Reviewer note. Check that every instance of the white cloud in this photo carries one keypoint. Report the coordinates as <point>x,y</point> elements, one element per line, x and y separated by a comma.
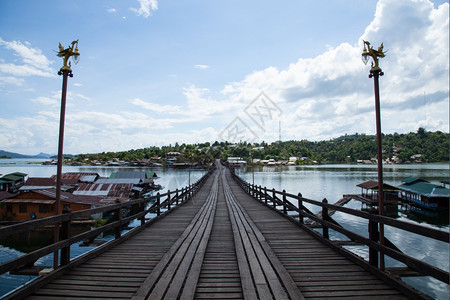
<point>167,109</point>
<point>147,6</point>
<point>111,10</point>
<point>11,80</point>
<point>320,97</point>
<point>201,66</point>
<point>330,94</point>
<point>34,62</point>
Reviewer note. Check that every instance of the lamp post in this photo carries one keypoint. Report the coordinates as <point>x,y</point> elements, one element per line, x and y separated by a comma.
<point>66,72</point>
<point>376,72</point>
<point>253,170</point>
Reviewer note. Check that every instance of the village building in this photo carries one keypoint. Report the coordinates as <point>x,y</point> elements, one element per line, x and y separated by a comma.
<point>370,191</point>
<point>108,189</point>
<point>424,194</point>
<point>172,155</point>
<point>12,182</point>
<point>42,203</point>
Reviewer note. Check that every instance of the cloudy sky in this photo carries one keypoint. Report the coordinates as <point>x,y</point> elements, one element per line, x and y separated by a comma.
<point>156,72</point>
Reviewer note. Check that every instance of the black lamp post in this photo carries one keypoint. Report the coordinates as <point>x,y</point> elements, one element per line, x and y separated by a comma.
<point>66,72</point>
<point>253,170</point>
<point>375,73</point>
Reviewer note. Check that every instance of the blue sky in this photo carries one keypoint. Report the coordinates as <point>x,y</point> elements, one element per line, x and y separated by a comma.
<point>156,72</point>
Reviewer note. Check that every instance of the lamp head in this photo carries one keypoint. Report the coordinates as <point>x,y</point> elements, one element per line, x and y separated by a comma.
<point>76,55</point>
<point>365,56</point>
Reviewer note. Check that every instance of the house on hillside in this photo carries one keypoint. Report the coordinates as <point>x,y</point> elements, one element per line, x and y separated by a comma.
<point>172,155</point>
<point>42,203</point>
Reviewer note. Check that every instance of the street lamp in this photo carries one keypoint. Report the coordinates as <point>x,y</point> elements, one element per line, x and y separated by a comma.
<point>253,171</point>
<point>66,72</point>
<point>376,72</point>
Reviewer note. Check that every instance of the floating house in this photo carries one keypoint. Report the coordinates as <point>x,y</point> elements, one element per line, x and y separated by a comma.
<point>236,161</point>
<point>12,182</point>
<point>42,203</point>
<point>112,189</point>
<point>369,193</point>
<point>424,194</point>
<point>143,176</point>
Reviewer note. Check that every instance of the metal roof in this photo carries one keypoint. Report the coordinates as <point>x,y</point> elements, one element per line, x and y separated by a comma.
<point>133,174</point>
<point>373,185</point>
<point>35,201</point>
<point>88,178</point>
<point>410,180</point>
<point>426,189</point>
<point>118,190</point>
<point>14,176</point>
<point>118,180</point>
<point>34,183</point>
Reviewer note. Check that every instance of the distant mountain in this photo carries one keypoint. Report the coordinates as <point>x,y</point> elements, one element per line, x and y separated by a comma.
<point>17,155</point>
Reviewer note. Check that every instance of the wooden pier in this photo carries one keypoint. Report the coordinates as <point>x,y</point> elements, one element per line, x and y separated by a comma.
<point>220,244</point>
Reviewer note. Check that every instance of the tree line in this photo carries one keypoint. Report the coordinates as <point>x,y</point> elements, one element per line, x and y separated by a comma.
<point>420,146</point>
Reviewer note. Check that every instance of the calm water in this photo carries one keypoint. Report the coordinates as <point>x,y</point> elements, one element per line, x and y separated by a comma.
<point>314,182</point>
<point>332,181</point>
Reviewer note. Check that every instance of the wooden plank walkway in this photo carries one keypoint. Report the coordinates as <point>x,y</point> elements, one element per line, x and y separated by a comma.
<point>221,244</point>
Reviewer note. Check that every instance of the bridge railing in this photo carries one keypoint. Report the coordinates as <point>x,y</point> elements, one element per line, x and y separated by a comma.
<point>293,207</point>
<point>120,215</point>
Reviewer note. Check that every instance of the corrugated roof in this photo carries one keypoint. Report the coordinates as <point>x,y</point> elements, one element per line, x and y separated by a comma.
<point>88,178</point>
<point>14,177</point>
<point>118,180</point>
<point>410,180</point>
<point>35,201</point>
<point>373,185</point>
<point>118,190</point>
<point>66,197</point>
<point>129,174</point>
<point>5,195</point>
<point>426,189</point>
<point>133,174</point>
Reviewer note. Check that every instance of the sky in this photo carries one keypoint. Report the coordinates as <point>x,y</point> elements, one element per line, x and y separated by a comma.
<point>158,72</point>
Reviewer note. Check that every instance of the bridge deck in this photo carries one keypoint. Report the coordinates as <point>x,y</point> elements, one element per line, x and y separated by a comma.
<point>221,244</point>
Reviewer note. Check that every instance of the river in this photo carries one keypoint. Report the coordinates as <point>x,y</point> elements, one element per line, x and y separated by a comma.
<point>314,182</point>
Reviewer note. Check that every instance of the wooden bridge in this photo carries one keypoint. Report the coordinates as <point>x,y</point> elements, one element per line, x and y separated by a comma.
<point>213,240</point>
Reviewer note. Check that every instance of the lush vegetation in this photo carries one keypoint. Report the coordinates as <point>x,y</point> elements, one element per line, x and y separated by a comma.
<point>420,146</point>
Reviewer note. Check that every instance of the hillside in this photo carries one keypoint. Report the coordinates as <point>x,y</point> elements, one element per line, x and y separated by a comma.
<point>413,147</point>
<point>6,154</point>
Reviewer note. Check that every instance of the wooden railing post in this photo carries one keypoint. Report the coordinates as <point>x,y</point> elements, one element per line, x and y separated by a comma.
<point>265,195</point>
<point>373,236</point>
<point>284,202</point>
<point>118,217</point>
<point>65,234</point>
<point>176,196</point>
<point>183,195</point>
<point>273,199</point>
<point>300,205</point>
<point>141,209</point>
<point>158,204</point>
<point>168,200</point>
<point>326,218</point>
